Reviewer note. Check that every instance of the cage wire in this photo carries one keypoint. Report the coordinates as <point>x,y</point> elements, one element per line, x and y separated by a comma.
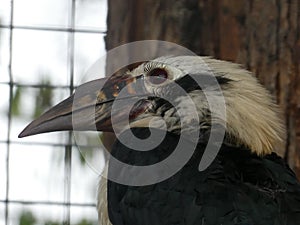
<point>66,204</point>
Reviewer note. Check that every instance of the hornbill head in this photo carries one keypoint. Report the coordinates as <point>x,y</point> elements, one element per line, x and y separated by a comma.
<point>141,98</point>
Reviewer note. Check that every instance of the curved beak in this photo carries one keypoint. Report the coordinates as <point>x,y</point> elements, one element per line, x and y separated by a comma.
<point>92,107</point>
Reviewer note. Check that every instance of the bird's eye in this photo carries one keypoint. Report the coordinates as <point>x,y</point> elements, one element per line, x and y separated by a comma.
<point>157,76</point>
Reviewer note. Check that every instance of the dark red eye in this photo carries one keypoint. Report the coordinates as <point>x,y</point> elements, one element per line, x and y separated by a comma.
<point>158,76</point>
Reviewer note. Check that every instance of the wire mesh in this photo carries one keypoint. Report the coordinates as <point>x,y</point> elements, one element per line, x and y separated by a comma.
<point>11,206</point>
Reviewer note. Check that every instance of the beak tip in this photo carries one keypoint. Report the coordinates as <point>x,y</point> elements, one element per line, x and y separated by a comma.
<point>27,131</point>
<point>23,134</point>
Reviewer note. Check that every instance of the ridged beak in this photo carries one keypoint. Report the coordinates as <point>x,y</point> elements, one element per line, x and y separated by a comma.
<point>93,107</point>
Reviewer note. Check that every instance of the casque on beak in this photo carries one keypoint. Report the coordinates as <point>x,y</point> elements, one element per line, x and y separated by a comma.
<point>92,107</point>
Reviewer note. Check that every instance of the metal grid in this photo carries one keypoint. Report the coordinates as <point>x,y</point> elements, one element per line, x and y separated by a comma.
<point>71,30</point>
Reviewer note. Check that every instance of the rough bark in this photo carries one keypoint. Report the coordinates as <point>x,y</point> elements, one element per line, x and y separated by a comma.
<point>264,36</point>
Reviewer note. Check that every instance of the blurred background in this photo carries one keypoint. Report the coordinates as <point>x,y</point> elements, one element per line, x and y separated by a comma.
<point>46,47</point>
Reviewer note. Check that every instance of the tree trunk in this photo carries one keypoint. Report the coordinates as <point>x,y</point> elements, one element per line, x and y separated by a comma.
<point>264,36</point>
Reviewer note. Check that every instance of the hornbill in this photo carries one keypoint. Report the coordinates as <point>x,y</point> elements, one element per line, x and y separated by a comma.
<point>245,182</point>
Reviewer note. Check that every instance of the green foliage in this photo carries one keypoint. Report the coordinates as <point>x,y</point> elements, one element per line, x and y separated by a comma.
<point>85,222</point>
<point>48,222</point>
<point>43,98</point>
<point>82,222</point>
<point>87,152</point>
<point>16,100</point>
<point>27,218</point>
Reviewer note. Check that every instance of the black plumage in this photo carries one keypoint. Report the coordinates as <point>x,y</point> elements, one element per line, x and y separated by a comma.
<point>239,187</point>
<point>246,184</point>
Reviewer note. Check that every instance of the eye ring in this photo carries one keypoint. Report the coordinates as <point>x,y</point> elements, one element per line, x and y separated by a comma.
<point>158,76</point>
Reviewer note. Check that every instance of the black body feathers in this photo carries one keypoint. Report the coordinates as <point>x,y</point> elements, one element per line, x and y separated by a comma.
<point>238,188</point>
